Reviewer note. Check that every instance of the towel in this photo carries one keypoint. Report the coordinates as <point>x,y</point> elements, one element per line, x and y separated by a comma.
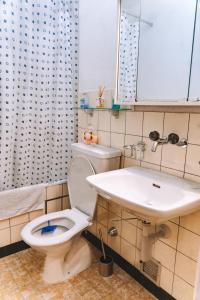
<point>21,200</point>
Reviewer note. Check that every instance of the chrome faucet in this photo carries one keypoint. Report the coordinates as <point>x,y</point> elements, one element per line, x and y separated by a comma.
<point>155,136</point>
<point>172,138</point>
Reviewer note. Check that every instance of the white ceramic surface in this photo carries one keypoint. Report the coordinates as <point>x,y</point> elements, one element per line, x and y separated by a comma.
<point>152,195</point>
<point>66,253</point>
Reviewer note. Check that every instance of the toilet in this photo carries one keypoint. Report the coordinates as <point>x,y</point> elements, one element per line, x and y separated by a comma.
<point>67,253</point>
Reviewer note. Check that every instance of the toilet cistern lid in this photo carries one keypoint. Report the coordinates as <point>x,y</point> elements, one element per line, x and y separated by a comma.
<point>97,151</point>
<point>82,195</point>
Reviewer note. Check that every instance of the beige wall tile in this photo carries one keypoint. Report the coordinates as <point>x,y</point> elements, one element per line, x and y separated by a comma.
<point>93,120</point>
<point>165,254</point>
<point>128,251</point>
<point>114,243</point>
<point>115,208</point>
<point>134,121</point>
<point>104,138</point>
<point>103,202</point>
<point>117,140</point>
<point>172,171</point>
<point>129,232</point>
<point>139,238</point>
<point>131,140</point>
<point>147,165</point>
<point>194,129</point>
<point>176,123</point>
<point>176,220</point>
<point>82,119</point>
<point>104,232</point>
<point>166,279</point>
<point>172,240</point>
<point>118,124</point>
<point>130,162</point>
<point>193,160</point>
<point>19,219</point>
<point>54,205</point>
<point>80,134</point>
<point>127,214</point>
<point>188,243</point>
<point>5,237</point>
<point>4,224</point>
<point>149,156</point>
<point>65,189</point>
<point>191,222</point>
<point>137,258</point>
<point>102,216</point>
<point>114,221</point>
<point>16,233</point>
<point>173,157</point>
<point>182,290</point>
<point>185,268</point>
<point>153,121</point>
<point>65,203</point>
<point>54,191</point>
<point>192,177</point>
<point>104,121</point>
<point>36,214</point>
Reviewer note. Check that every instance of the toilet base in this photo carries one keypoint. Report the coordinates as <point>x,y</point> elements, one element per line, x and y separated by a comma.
<point>60,268</point>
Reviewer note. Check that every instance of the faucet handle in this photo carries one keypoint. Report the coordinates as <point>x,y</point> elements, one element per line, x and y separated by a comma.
<point>154,135</point>
<point>173,138</point>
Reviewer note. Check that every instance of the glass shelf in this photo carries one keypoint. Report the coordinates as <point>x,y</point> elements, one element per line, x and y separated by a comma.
<point>114,111</point>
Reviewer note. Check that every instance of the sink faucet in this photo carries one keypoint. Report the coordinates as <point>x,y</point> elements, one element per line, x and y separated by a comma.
<point>155,136</point>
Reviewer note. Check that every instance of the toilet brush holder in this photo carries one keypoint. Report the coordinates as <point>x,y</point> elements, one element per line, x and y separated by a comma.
<point>106,262</point>
<point>106,266</point>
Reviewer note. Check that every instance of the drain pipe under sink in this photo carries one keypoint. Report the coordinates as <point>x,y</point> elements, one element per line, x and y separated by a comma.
<point>149,238</point>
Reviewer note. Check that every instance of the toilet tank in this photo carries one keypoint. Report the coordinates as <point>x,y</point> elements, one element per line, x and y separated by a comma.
<point>102,158</point>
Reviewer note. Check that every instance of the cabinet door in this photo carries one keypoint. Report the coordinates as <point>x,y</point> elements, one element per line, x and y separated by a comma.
<point>165,50</point>
<point>194,91</point>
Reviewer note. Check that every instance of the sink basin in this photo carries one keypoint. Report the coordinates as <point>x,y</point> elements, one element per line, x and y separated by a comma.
<point>153,196</point>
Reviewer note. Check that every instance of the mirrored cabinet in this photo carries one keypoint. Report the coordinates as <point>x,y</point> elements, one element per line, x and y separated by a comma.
<point>194,91</point>
<point>159,52</point>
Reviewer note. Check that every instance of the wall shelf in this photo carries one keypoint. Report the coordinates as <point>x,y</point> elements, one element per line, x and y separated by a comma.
<point>114,111</point>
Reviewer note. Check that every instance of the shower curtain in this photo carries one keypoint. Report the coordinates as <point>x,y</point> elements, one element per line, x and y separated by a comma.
<point>38,90</point>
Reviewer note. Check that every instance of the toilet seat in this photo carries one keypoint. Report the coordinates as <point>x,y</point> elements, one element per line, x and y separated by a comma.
<point>80,222</point>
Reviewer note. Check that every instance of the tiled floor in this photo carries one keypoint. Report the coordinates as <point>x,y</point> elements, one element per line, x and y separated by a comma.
<point>20,279</point>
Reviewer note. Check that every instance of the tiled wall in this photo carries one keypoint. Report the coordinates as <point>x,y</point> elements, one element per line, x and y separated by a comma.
<point>10,229</point>
<point>178,254</point>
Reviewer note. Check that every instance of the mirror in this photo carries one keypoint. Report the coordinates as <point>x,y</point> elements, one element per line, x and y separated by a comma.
<point>128,50</point>
<point>194,91</point>
<point>155,50</point>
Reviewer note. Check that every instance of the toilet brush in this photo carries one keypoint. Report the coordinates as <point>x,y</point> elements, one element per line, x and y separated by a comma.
<point>106,262</point>
<point>102,244</point>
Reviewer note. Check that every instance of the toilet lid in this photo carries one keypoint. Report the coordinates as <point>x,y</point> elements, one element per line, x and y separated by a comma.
<point>82,195</point>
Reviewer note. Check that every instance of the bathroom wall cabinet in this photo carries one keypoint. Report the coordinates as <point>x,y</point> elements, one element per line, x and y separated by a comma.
<point>159,52</point>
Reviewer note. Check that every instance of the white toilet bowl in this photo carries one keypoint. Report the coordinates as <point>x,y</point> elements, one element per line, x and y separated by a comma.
<point>66,252</point>
<point>56,245</point>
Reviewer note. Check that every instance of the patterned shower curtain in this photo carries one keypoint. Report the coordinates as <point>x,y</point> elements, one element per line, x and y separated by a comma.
<point>38,89</point>
<point>129,38</point>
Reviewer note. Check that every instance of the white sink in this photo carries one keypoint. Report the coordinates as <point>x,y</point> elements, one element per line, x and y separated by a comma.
<point>152,195</point>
